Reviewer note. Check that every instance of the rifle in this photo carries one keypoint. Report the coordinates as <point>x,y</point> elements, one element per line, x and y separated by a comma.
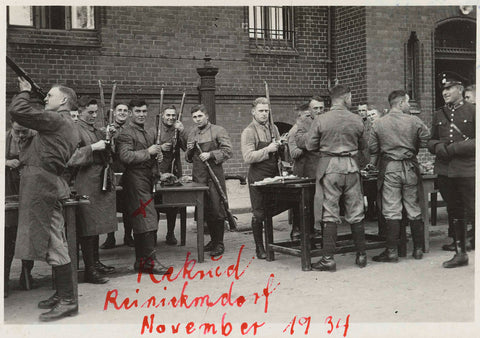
<point>223,197</point>
<point>272,128</point>
<point>102,104</point>
<point>20,72</point>
<point>159,128</point>
<point>175,145</point>
<point>107,179</point>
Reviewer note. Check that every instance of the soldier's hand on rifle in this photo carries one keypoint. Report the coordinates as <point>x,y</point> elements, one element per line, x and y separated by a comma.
<point>369,167</point>
<point>23,84</point>
<point>155,149</point>
<point>100,145</point>
<point>13,163</point>
<point>190,145</point>
<point>166,146</point>
<point>272,147</point>
<point>159,157</point>
<point>179,126</point>
<point>204,156</point>
<point>111,129</point>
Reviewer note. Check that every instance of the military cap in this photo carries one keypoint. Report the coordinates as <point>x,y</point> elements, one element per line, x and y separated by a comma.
<point>85,100</point>
<point>448,79</point>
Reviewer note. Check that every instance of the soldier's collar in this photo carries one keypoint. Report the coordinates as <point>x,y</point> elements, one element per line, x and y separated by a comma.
<point>455,106</point>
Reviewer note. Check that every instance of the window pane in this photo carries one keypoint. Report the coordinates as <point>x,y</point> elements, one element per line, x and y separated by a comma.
<point>20,15</point>
<point>83,17</point>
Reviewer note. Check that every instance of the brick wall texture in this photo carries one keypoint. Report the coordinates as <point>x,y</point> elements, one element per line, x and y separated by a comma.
<point>145,49</point>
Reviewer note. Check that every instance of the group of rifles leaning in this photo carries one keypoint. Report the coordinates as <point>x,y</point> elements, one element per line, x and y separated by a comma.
<point>324,145</point>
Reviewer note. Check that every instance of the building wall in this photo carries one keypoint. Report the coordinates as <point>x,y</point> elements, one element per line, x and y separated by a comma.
<point>145,49</point>
<point>350,50</point>
<point>387,32</point>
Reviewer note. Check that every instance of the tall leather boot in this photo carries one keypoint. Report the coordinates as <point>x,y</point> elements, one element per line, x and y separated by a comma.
<point>109,242</point>
<point>149,263</point>
<point>460,258</point>
<point>391,252</point>
<point>127,235</point>
<point>257,230</point>
<point>87,244</point>
<point>102,268</point>
<point>418,235</point>
<point>138,242</point>
<point>26,279</point>
<point>211,230</point>
<point>327,263</point>
<point>451,246</point>
<point>219,231</point>
<point>358,234</point>
<point>66,305</point>
<point>10,237</point>
<point>171,219</point>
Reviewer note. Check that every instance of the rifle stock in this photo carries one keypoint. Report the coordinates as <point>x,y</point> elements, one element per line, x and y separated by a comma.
<point>20,72</point>
<point>107,182</point>
<point>223,197</point>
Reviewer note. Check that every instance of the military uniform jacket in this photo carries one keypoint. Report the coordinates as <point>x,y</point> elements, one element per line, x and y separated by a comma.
<point>461,162</point>
<point>138,178</point>
<point>41,186</point>
<point>306,165</point>
<point>100,216</point>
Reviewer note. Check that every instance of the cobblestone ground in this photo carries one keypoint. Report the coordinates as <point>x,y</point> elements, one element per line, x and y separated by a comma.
<point>420,293</point>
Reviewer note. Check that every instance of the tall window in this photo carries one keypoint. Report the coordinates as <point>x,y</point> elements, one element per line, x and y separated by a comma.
<point>52,17</point>
<point>271,26</point>
<point>413,67</point>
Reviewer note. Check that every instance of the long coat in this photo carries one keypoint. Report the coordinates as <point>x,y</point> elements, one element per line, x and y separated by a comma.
<point>100,216</point>
<point>138,178</point>
<point>42,185</point>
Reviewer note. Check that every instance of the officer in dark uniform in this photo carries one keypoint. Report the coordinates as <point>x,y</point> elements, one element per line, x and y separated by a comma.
<point>453,143</point>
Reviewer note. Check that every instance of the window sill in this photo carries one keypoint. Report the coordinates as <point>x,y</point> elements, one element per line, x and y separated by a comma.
<point>53,37</point>
<point>259,48</point>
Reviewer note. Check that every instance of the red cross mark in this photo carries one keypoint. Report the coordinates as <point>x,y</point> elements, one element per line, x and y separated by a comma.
<point>141,209</point>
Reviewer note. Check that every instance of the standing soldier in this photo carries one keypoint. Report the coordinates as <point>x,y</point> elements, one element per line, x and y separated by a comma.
<point>120,114</point>
<point>306,164</point>
<point>41,230</point>
<point>170,125</point>
<point>17,138</point>
<point>453,143</point>
<point>100,216</point>
<point>397,138</point>
<point>260,152</point>
<point>216,149</point>
<point>338,135</point>
<point>138,152</point>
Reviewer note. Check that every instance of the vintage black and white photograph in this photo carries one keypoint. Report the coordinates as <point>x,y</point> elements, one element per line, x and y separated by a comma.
<point>239,169</point>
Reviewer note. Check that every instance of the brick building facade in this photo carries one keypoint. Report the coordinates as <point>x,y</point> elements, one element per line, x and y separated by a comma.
<point>145,49</point>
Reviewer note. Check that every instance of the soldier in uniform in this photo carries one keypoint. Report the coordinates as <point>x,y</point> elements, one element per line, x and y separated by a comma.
<point>99,217</point>
<point>17,138</point>
<point>138,152</point>
<point>470,94</point>
<point>261,153</point>
<point>397,138</point>
<point>41,230</point>
<point>120,115</point>
<point>338,135</point>
<point>216,149</point>
<point>171,128</point>
<point>453,143</point>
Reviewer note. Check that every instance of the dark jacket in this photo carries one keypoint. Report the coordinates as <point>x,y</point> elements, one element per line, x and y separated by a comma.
<point>461,159</point>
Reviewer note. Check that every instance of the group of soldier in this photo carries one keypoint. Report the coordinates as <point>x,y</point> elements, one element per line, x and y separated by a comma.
<point>325,145</point>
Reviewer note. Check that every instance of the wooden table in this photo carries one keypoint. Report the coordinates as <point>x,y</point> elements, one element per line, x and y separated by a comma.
<point>188,194</point>
<point>69,212</point>
<point>299,197</point>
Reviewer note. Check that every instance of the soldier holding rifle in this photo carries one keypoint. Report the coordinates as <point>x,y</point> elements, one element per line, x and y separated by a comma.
<point>172,131</point>
<point>259,150</point>
<point>100,216</point>
<point>216,148</point>
<point>138,152</point>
